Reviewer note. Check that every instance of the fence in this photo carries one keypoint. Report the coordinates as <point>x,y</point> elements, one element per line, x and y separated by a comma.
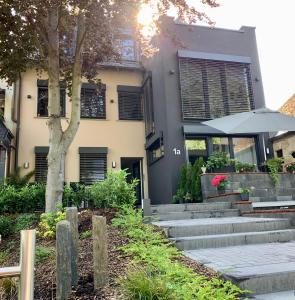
<point>25,271</point>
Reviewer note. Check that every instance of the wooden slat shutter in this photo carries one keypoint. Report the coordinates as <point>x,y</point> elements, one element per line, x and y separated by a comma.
<point>130,106</point>
<point>41,165</point>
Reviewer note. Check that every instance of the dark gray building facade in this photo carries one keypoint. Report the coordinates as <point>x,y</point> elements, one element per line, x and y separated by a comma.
<point>199,73</point>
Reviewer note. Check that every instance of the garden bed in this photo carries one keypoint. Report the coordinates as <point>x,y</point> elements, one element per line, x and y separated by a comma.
<point>117,263</point>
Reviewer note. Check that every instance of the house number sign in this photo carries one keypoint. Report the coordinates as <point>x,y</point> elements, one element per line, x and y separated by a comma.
<point>176,151</point>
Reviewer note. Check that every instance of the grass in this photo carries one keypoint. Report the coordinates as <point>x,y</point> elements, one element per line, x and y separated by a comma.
<point>43,253</point>
<point>3,256</point>
<point>155,272</point>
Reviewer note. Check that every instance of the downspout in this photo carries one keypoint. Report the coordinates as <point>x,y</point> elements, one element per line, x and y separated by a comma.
<point>17,122</point>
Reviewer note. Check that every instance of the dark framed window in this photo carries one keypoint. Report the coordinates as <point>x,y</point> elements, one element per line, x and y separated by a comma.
<point>42,106</point>
<point>41,165</point>
<point>147,89</point>
<point>212,89</point>
<point>93,104</point>
<point>130,103</point>
<point>2,102</point>
<point>156,151</point>
<point>93,164</point>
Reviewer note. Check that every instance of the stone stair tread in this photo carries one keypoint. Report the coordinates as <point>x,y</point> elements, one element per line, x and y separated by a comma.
<point>286,295</point>
<point>183,204</point>
<point>213,221</point>
<point>197,211</point>
<point>273,204</point>
<point>227,235</point>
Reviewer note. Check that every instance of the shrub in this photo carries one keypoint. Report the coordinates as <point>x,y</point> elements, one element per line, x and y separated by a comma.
<point>27,198</point>
<point>217,160</point>
<point>16,180</point>
<point>244,167</point>
<point>274,166</point>
<point>25,221</point>
<point>48,221</point>
<point>114,191</point>
<point>157,273</point>
<point>86,234</point>
<point>3,256</point>
<point>8,288</point>
<point>74,194</point>
<point>6,226</point>
<point>43,253</point>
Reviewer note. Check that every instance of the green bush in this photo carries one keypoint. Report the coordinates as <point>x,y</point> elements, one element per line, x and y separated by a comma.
<point>290,168</point>
<point>25,221</point>
<point>156,272</point>
<point>114,191</point>
<point>3,257</point>
<point>25,199</point>
<point>217,160</point>
<point>16,180</point>
<point>75,194</point>
<point>189,185</point>
<point>6,226</point>
<point>244,167</point>
<point>274,166</point>
<point>43,253</point>
<point>48,221</point>
<point>86,234</point>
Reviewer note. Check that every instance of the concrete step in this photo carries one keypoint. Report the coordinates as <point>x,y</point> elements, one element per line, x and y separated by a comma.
<point>220,213</point>
<point>273,204</point>
<point>261,268</point>
<point>287,295</point>
<point>166,208</point>
<point>179,228</point>
<point>233,239</point>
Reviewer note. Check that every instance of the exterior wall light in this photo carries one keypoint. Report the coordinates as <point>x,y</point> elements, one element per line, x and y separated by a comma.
<point>114,164</point>
<point>26,165</point>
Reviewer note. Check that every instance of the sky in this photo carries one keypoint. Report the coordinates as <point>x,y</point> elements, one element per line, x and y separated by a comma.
<point>275,34</point>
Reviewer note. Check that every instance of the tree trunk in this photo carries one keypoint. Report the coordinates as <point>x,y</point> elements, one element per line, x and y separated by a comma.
<point>60,141</point>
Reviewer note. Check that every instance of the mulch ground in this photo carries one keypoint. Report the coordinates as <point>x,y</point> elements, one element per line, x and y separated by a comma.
<point>117,263</point>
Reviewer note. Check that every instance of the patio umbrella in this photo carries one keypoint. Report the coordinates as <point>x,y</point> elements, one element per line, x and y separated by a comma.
<point>255,121</point>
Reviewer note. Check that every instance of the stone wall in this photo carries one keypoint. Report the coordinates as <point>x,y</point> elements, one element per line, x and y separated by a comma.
<point>287,144</point>
<point>260,183</point>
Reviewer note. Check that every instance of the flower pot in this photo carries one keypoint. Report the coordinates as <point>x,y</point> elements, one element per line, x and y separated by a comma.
<point>221,190</point>
<point>203,170</point>
<point>244,197</point>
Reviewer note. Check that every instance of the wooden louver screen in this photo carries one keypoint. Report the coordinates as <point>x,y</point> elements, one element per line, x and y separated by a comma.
<point>212,89</point>
<point>130,106</point>
<point>41,167</point>
<point>93,167</point>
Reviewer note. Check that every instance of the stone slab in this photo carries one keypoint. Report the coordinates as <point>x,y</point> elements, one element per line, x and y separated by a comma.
<point>287,295</point>
<point>273,204</point>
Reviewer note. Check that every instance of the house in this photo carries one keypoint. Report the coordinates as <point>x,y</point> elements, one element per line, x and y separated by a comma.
<point>284,142</point>
<point>111,132</point>
<point>200,73</point>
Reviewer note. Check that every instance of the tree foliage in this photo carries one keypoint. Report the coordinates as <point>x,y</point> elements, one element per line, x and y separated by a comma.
<point>68,40</point>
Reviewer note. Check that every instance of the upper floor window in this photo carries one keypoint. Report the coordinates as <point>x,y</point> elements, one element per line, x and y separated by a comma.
<point>2,102</point>
<point>42,106</point>
<point>212,89</point>
<point>130,103</point>
<point>93,104</point>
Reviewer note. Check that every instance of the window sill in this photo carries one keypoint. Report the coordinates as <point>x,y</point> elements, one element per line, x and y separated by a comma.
<point>46,118</point>
<point>122,120</point>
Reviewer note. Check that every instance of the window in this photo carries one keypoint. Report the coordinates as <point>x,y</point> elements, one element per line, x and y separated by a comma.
<point>196,148</point>
<point>93,164</point>
<point>156,151</point>
<point>127,49</point>
<point>2,102</point>
<point>93,101</point>
<point>212,89</point>
<point>280,153</point>
<point>130,103</point>
<point>148,106</point>
<point>41,165</point>
<point>42,106</point>
<point>245,150</point>
<point>220,144</point>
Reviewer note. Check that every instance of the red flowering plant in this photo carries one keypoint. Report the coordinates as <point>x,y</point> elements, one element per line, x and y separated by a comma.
<point>220,181</point>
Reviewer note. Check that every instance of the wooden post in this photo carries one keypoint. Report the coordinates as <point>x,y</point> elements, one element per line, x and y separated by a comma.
<point>63,260</point>
<point>72,217</point>
<point>100,254</point>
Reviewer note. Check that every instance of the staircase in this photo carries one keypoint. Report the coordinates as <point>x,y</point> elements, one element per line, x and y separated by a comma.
<point>257,254</point>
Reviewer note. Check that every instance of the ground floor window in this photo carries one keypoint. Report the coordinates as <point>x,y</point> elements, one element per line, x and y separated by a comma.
<point>156,151</point>
<point>93,164</point>
<point>243,149</point>
<point>41,165</point>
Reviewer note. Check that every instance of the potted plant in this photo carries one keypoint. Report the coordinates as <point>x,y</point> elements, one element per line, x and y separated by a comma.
<point>245,194</point>
<point>219,162</point>
<point>244,167</point>
<point>290,168</point>
<point>203,168</point>
<point>220,182</point>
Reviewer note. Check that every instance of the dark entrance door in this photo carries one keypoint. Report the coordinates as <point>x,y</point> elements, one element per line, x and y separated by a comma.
<point>134,168</point>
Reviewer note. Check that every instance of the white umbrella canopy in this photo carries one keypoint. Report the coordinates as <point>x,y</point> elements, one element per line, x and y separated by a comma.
<point>255,121</point>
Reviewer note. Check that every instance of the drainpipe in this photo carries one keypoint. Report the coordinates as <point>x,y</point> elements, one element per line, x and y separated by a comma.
<point>17,122</point>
